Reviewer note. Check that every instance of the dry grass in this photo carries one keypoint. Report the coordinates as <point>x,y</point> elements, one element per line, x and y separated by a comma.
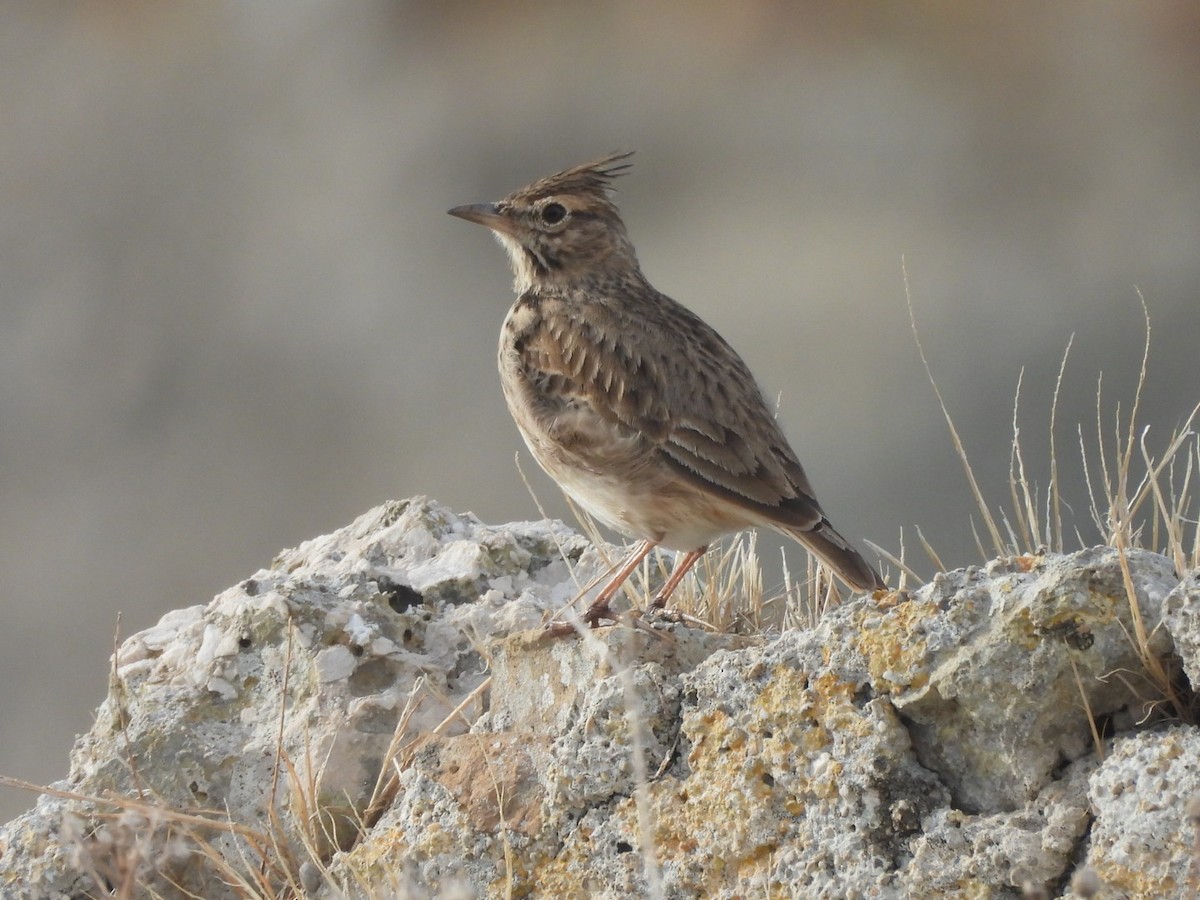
<point>126,845</point>
<point>137,847</point>
<point>1135,500</point>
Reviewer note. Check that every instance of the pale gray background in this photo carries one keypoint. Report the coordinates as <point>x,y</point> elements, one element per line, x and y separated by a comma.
<point>234,315</point>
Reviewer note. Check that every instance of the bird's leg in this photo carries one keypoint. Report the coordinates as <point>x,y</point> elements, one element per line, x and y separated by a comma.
<point>599,608</point>
<point>682,567</point>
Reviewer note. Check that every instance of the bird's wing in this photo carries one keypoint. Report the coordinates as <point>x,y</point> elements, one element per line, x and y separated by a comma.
<point>721,433</point>
<point>664,375</point>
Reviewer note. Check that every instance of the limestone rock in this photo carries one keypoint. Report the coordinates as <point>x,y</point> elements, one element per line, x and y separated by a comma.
<point>1146,838</point>
<point>379,711</point>
<point>1181,618</point>
<point>996,669</point>
<point>313,661</point>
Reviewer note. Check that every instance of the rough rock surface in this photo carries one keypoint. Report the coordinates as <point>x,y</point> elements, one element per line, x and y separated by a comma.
<point>994,732</point>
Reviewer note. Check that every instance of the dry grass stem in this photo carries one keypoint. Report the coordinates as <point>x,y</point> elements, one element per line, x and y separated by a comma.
<point>993,531</point>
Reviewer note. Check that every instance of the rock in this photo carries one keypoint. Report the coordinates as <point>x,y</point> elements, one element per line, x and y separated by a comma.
<point>996,670</point>
<point>985,736</point>
<point>1145,841</point>
<point>1181,618</point>
<point>330,643</point>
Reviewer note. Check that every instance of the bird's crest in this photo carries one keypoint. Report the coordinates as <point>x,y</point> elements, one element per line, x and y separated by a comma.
<point>591,179</point>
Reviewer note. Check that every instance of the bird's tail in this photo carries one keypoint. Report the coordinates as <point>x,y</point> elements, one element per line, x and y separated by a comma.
<point>825,543</point>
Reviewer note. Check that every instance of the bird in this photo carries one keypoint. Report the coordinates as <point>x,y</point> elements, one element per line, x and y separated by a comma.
<point>641,412</point>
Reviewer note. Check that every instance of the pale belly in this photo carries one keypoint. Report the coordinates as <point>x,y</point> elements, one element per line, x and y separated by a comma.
<point>647,502</point>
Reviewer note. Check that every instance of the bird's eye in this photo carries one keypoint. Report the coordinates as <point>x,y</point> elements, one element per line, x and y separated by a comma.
<point>553,213</point>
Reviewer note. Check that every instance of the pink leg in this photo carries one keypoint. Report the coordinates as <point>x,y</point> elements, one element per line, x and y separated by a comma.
<point>599,608</point>
<point>681,568</point>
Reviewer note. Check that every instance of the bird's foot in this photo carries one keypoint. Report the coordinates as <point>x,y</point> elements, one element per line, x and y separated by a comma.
<point>659,612</point>
<point>665,614</point>
<point>557,629</point>
<point>593,617</point>
<point>598,612</point>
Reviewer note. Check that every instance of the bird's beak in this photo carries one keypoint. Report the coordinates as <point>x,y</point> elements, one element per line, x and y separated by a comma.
<point>484,214</point>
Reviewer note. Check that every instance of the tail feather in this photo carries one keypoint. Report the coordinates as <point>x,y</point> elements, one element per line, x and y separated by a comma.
<point>824,542</point>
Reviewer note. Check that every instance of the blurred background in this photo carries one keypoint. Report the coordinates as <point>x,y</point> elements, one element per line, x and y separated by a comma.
<point>234,314</point>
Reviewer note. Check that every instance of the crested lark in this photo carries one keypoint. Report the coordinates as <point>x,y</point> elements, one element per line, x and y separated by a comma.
<point>639,410</point>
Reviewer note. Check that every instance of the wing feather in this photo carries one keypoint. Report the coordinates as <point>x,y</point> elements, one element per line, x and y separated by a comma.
<point>699,411</point>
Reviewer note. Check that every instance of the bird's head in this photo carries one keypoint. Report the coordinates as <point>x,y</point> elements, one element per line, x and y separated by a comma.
<point>563,230</point>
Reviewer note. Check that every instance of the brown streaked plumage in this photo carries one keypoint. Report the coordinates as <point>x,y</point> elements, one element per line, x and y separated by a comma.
<point>639,410</point>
